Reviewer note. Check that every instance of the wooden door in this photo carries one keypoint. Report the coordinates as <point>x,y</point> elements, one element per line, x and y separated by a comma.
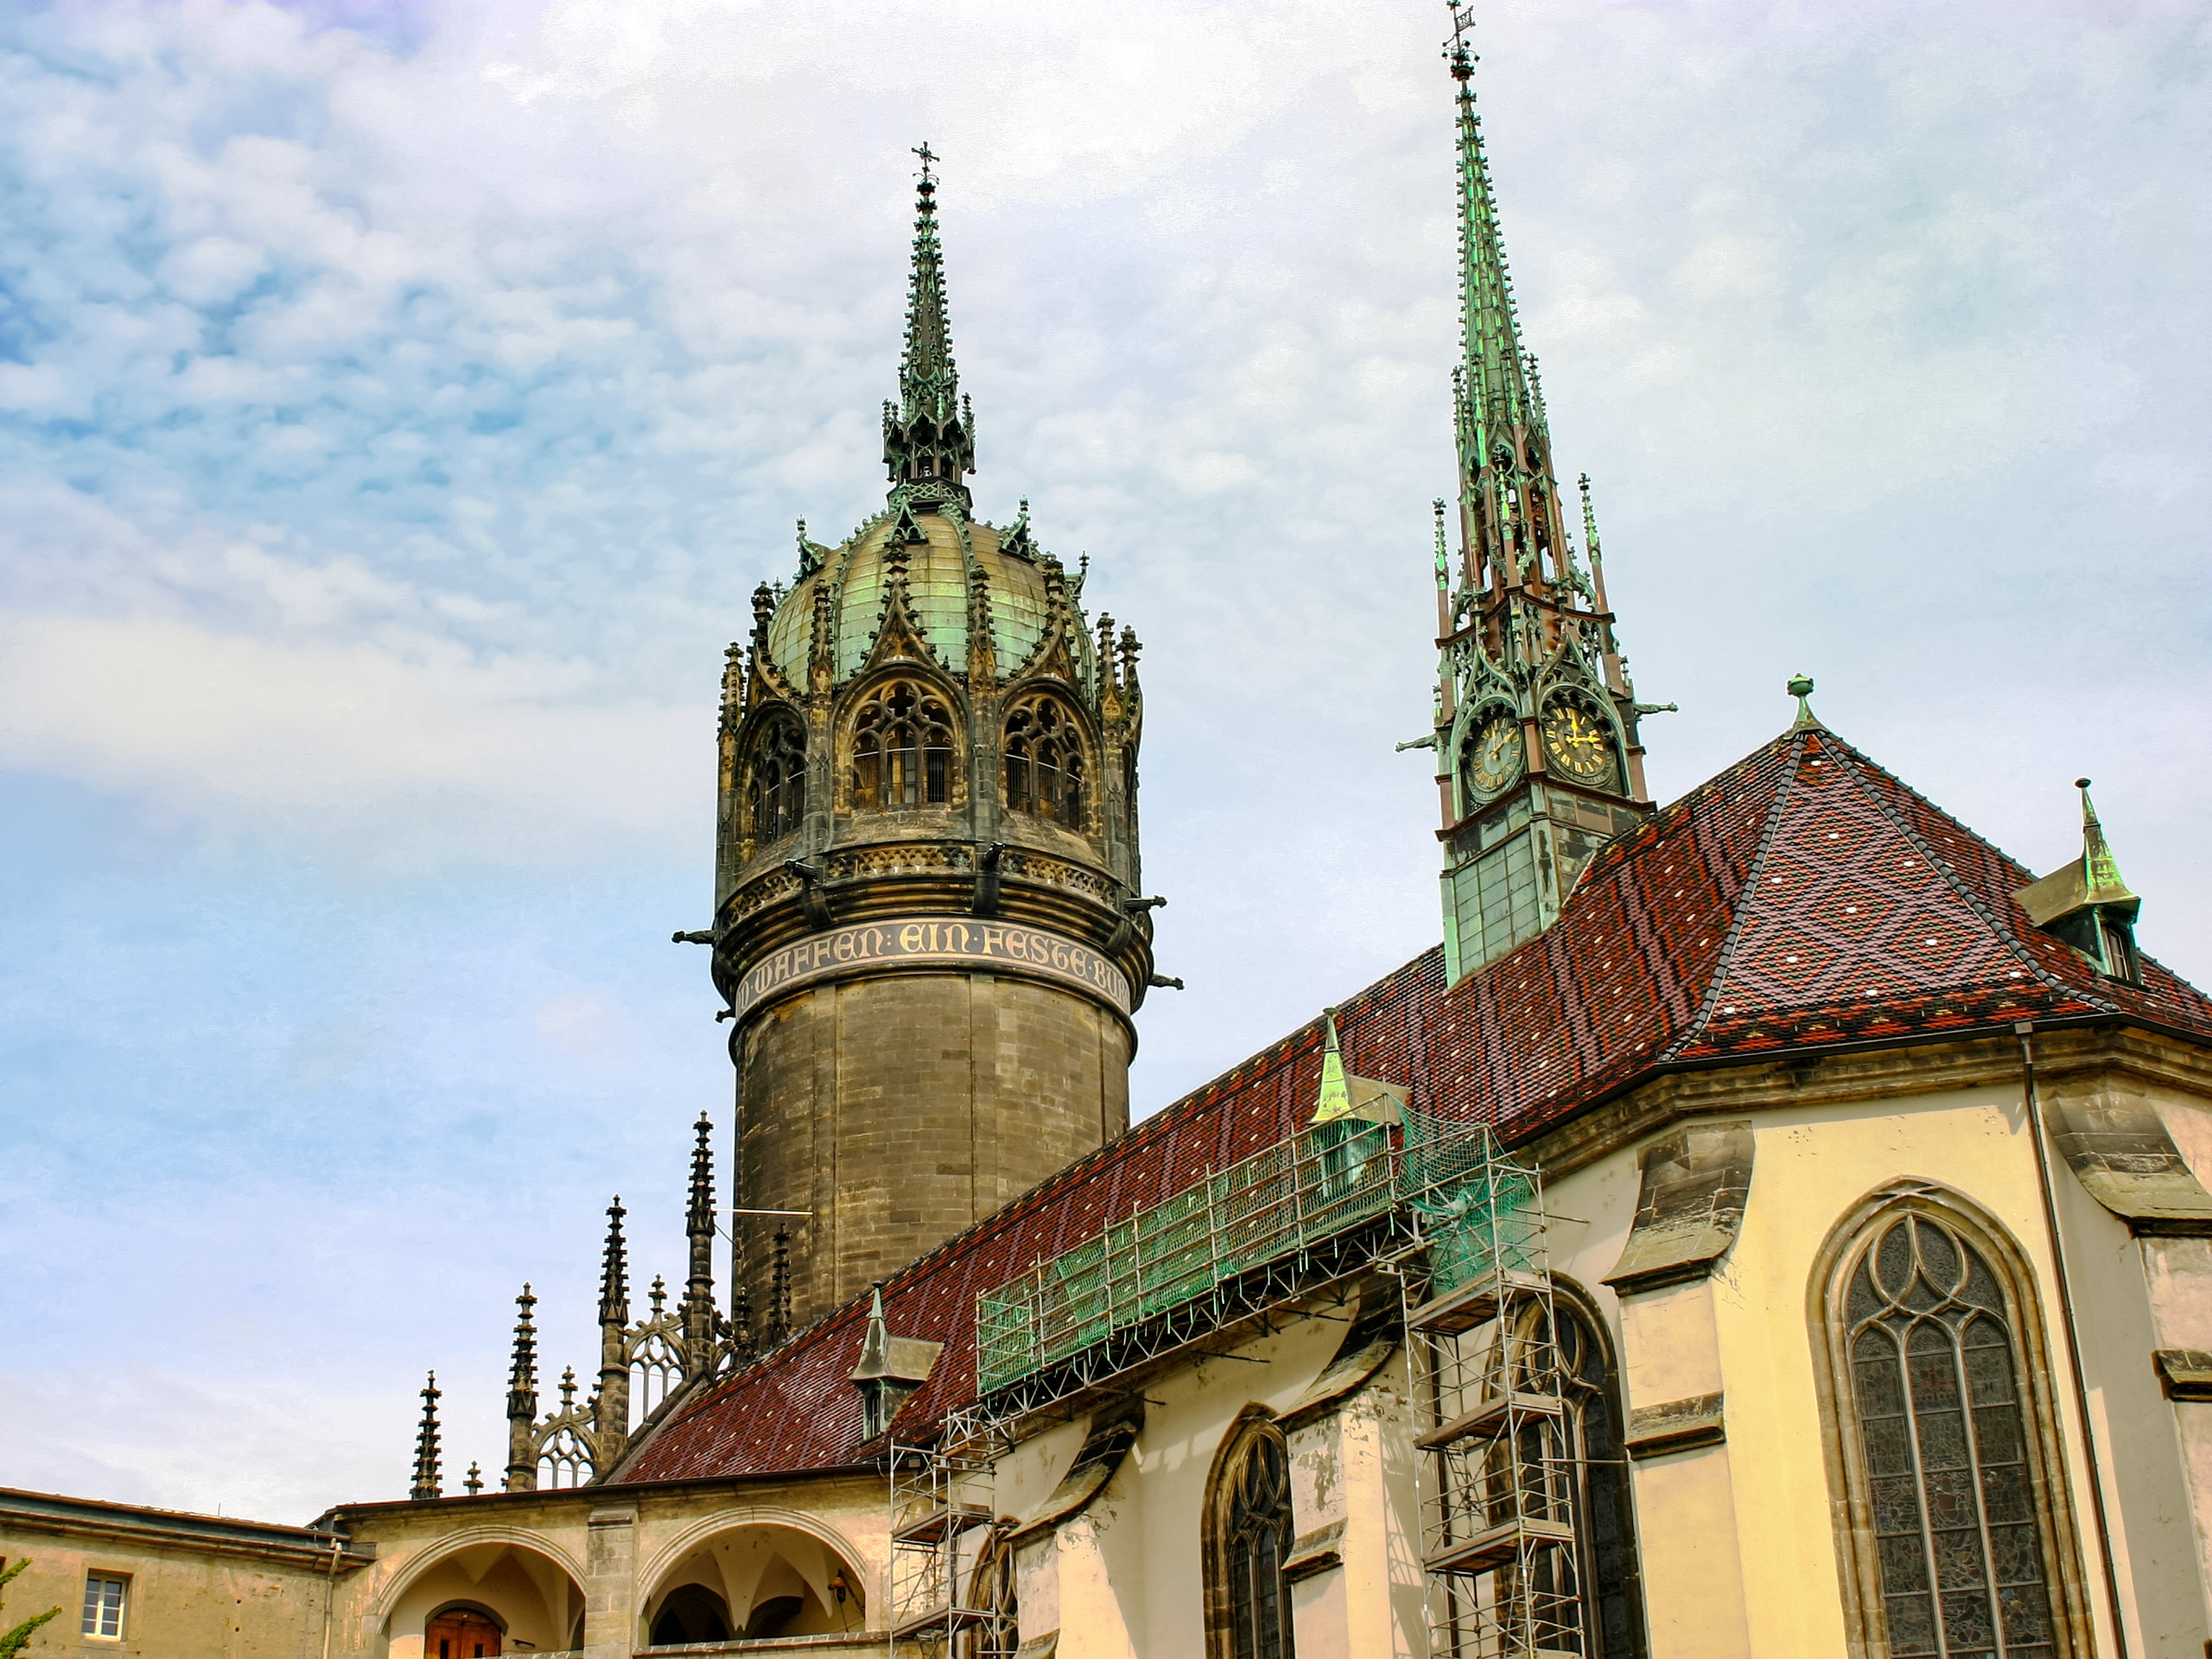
<point>461,1634</point>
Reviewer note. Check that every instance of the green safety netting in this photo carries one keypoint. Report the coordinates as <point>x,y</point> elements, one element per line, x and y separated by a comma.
<point>1476,1208</point>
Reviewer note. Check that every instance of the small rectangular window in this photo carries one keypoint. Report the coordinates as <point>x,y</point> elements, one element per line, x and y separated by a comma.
<point>103,1599</point>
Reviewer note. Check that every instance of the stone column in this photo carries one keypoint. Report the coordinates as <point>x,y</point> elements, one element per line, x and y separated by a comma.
<point>610,1582</point>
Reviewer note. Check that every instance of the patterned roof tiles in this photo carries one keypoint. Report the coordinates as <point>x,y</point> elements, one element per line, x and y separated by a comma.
<point>1802,900</point>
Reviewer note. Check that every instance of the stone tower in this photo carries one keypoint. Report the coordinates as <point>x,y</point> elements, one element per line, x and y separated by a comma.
<point>1539,762</point>
<point>927,926</point>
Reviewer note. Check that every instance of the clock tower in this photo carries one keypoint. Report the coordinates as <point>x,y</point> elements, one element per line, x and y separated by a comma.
<point>1539,762</point>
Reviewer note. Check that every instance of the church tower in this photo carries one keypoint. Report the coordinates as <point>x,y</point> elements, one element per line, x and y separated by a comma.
<point>928,925</point>
<point>1539,762</point>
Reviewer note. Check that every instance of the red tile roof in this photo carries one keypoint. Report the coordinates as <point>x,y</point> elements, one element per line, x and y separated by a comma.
<point>1802,900</point>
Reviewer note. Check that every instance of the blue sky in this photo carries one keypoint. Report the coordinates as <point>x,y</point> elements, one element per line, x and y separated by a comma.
<point>397,404</point>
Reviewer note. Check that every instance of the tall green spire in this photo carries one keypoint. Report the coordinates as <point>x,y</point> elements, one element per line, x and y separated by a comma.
<point>929,443</point>
<point>1539,759</point>
<point>1495,396</point>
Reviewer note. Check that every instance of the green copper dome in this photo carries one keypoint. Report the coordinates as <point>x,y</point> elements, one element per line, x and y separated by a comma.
<point>937,578</point>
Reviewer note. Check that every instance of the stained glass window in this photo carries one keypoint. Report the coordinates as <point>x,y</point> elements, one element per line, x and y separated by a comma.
<point>1960,1541</point>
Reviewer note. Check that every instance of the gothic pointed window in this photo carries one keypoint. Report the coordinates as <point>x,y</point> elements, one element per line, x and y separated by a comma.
<point>1948,1450</point>
<point>776,780</point>
<point>1043,762</point>
<point>902,748</point>
<point>1248,1538</point>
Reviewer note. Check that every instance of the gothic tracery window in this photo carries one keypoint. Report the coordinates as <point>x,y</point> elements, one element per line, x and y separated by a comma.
<point>1948,1450</point>
<point>1043,762</point>
<point>1249,1537</point>
<point>776,780</point>
<point>902,748</point>
<point>1937,1383</point>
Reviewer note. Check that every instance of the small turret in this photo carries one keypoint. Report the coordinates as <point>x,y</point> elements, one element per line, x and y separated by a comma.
<point>2086,904</point>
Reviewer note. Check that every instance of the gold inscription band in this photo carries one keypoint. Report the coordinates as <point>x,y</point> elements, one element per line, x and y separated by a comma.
<point>928,941</point>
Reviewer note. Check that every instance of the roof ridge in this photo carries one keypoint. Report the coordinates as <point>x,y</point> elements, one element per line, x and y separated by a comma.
<point>2006,936</point>
<point>1738,909</point>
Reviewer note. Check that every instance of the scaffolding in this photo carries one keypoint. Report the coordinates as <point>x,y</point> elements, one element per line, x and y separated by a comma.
<point>1458,1222</point>
<point>1244,1236</point>
<point>1495,1480</point>
<point>951,1574</point>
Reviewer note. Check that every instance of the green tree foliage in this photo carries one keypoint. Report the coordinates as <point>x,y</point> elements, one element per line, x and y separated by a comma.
<point>14,1642</point>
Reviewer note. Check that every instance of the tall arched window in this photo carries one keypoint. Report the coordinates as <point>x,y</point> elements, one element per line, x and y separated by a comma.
<point>1959,1537</point>
<point>1043,762</point>
<point>776,780</point>
<point>902,748</point>
<point>1248,1537</point>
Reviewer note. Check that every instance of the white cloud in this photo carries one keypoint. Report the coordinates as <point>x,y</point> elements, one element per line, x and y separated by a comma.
<point>395,757</point>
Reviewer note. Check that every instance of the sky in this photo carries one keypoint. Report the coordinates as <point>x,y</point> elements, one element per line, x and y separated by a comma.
<point>399,403</point>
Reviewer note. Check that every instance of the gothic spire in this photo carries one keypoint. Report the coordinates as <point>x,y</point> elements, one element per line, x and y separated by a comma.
<point>929,443</point>
<point>614,1270</point>
<point>1495,393</point>
<point>522,1400</point>
<point>699,1288</point>
<point>426,1446</point>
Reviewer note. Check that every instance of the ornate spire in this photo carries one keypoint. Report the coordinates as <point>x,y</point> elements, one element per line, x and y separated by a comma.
<point>426,1446</point>
<point>780,1288</point>
<point>1496,397</point>
<point>699,1288</point>
<point>1535,718</point>
<point>522,1400</point>
<point>614,1270</point>
<point>929,443</point>
<point>611,1399</point>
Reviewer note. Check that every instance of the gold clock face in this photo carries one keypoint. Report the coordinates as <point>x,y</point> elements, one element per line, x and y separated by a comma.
<point>1494,755</point>
<point>1577,743</point>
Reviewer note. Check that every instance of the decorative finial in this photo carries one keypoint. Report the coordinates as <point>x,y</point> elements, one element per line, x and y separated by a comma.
<point>928,156</point>
<point>474,1483</point>
<point>1801,687</point>
<point>426,1446</point>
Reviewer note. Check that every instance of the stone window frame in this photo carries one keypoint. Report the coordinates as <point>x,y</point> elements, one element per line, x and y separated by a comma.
<point>1255,1426</point>
<point>1843,1449</point>
<point>786,726</point>
<point>1074,732</point>
<point>868,695</point>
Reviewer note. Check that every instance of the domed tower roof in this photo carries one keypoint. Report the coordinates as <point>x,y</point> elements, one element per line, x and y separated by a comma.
<point>942,560</point>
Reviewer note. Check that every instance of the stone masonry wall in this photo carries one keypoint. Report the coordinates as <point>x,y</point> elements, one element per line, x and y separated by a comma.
<point>901,1110</point>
